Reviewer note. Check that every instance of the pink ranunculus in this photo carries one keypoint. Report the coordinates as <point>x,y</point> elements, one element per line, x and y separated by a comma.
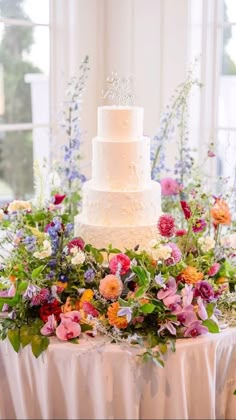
<point>205,290</point>
<point>119,264</point>
<point>180,232</point>
<point>199,225</point>
<point>68,330</point>
<point>186,209</point>
<point>76,242</point>
<point>175,254</point>
<point>194,329</point>
<point>58,198</point>
<point>166,225</point>
<point>213,270</point>
<point>73,316</point>
<point>169,186</point>
<point>89,309</point>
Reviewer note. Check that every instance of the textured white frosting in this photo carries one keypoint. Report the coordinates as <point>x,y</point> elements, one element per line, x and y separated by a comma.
<point>132,208</point>
<point>121,205</point>
<point>120,122</point>
<point>121,165</point>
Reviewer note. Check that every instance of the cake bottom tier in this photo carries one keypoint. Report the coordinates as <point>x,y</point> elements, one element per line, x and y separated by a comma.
<point>120,237</point>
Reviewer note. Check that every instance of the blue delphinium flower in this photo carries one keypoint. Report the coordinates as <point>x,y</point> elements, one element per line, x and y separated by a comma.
<point>89,275</point>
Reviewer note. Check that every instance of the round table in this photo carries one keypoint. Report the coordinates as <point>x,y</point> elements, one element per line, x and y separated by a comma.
<point>99,380</point>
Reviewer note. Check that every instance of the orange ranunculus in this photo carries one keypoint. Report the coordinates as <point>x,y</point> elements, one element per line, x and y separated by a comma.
<point>110,287</point>
<point>190,275</point>
<point>114,319</point>
<point>220,213</point>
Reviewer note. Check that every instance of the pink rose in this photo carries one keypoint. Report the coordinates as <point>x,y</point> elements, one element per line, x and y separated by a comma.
<point>119,263</point>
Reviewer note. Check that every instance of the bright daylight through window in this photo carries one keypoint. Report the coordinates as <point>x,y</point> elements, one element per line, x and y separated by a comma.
<point>24,93</point>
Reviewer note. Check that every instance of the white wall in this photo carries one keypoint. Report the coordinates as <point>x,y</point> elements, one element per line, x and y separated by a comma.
<point>146,38</point>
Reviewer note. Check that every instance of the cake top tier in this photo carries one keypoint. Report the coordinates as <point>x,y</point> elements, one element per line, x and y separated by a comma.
<point>120,122</point>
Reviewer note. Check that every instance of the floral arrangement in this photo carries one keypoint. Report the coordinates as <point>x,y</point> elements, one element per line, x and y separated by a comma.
<point>55,284</point>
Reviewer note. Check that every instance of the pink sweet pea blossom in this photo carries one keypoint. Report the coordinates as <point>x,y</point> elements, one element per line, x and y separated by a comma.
<point>119,264</point>
<point>196,328</point>
<point>169,186</point>
<point>213,270</point>
<point>50,327</point>
<point>68,330</point>
<point>187,294</point>
<point>175,254</point>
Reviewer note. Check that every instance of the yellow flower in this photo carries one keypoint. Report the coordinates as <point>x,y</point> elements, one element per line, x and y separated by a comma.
<point>87,296</point>
<point>190,275</point>
<point>110,287</point>
<point>114,319</point>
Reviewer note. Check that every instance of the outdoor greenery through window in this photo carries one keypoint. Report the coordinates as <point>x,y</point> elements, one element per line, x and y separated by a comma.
<point>24,93</point>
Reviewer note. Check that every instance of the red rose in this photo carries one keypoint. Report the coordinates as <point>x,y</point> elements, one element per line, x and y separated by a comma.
<point>79,242</point>
<point>119,263</point>
<point>52,308</point>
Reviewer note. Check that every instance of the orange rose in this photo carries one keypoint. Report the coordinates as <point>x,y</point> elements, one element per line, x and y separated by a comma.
<point>190,275</point>
<point>220,213</point>
<point>114,319</point>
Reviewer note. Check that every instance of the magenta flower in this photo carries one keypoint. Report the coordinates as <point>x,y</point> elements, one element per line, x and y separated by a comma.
<point>180,232</point>
<point>50,327</point>
<point>205,290</point>
<point>68,330</point>
<point>202,312</point>
<point>171,300</point>
<point>119,264</point>
<point>175,254</point>
<point>169,186</point>
<point>41,297</point>
<point>175,308</point>
<point>196,328</point>
<point>89,309</point>
<point>76,242</point>
<point>187,316</point>
<point>166,225</point>
<point>73,316</point>
<point>213,270</point>
<point>169,290</point>
<point>58,198</point>
<point>199,226</point>
<point>186,209</point>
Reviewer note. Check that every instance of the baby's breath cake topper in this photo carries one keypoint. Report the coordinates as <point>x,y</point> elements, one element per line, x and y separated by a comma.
<point>119,89</point>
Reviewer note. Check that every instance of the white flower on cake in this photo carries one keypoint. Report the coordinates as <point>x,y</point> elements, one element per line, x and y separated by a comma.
<point>206,243</point>
<point>46,251</point>
<point>79,256</point>
<point>19,205</point>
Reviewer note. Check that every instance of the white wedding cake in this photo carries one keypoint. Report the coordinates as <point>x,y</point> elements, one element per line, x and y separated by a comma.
<point>121,204</point>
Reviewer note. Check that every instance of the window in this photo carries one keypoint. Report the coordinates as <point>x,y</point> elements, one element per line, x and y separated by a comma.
<point>226,121</point>
<point>24,94</point>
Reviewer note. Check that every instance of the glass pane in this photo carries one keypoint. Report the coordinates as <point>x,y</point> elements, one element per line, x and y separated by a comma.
<point>227,102</point>
<point>229,10</point>
<point>33,10</point>
<point>16,165</point>
<point>226,163</point>
<point>24,51</point>
<point>229,51</point>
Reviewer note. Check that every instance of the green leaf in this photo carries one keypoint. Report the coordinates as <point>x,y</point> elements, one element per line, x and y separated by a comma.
<point>172,345</point>
<point>140,292</point>
<point>37,271</point>
<point>158,361</point>
<point>97,255</point>
<point>210,309</point>
<point>25,337</point>
<point>143,276</point>
<point>211,325</point>
<point>123,302</point>
<point>22,286</point>
<point>163,348</point>
<point>146,356</point>
<point>147,308</point>
<point>14,338</point>
<point>86,327</point>
<point>235,392</point>
<point>39,344</point>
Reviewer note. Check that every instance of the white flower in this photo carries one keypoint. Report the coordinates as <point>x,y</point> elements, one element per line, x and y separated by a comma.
<point>79,258</point>
<point>1,214</point>
<point>206,243</point>
<point>229,241</point>
<point>162,252</point>
<point>18,205</point>
<point>46,252</point>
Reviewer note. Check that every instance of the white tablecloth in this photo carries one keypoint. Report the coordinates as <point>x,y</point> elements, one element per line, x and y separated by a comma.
<point>96,381</point>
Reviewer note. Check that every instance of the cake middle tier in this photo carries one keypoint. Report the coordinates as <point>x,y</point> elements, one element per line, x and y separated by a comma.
<point>121,165</point>
<point>120,208</point>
